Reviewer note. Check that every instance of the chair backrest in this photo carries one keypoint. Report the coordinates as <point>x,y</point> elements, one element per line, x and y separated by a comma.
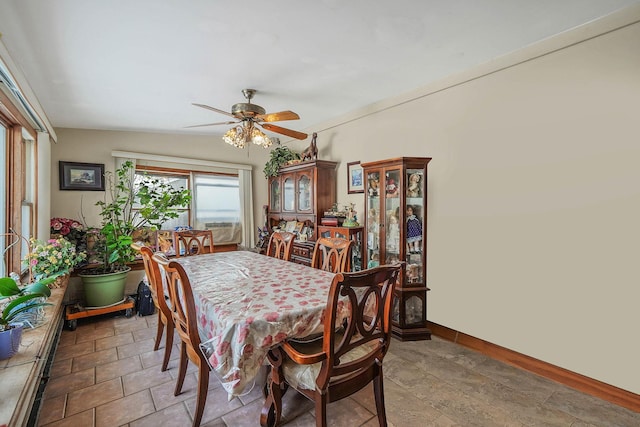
<point>367,327</point>
<point>332,254</point>
<point>281,245</point>
<point>193,242</point>
<point>154,278</point>
<point>183,309</point>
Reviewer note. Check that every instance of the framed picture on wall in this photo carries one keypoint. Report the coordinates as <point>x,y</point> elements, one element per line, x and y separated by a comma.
<point>355,178</point>
<point>81,176</point>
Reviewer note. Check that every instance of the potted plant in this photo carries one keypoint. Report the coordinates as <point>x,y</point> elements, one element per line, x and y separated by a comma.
<point>55,257</point>
<point>130,203</point>
<point>19,301</point>
<point>279,156</point>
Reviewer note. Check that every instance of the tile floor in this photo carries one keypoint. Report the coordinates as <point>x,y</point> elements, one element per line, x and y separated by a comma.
<point>105,373</point>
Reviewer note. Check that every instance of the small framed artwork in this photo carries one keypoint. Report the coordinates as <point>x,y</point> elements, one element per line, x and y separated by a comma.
<point>81,176</point>
<point>355,178</point>
<point>299,226</point>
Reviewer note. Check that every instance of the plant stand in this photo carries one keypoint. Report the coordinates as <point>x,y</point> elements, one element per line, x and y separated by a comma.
<point>75,312</point>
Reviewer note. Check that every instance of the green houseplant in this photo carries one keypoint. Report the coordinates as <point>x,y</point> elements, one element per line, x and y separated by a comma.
<point>19,301</point>
<point>131,202</point>
<point>279,156</point>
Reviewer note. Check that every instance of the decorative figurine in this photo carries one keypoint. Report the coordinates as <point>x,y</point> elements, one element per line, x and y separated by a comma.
<point>414,189</point>
<point>374,183</point>
<point>311,152</point>
<point>350,221</point>
<point>373,262</point>
<point>414,232</point>
<point>393,234</point>
<point>391,187</point>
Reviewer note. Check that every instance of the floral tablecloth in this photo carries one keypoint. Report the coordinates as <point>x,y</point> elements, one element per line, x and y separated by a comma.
<point>248,303</point>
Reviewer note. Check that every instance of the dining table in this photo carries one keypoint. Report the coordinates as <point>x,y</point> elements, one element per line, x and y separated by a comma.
<point>246,304</point>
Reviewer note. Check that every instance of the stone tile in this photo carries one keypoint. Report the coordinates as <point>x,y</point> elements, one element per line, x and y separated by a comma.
<point>83,335</point>
<point>245,416</point>
<point>534,386</point>
<point>83,419</point>
<point>74,350</point>
<point>90,360</point>
<point>113,341</point>
<point>522,407</point>
<point>52,409</point>
<point>93,396</point>
<point>217,404</point>
<point>591,409</point>
<point>145,334</point>
<point>347,412</point>
<point>69,383</point>
<point>172,416</point>
<point>144,379</point>
<point>67,338</point>
<point>215,423</point>
<point>295,405</point>
<point>60,368</point>
<point>163,394</point>
<point>128,325</point>
<point>125,410</point>
<point>118,368</point>
<point>154,358</point>
<point>135,348</point>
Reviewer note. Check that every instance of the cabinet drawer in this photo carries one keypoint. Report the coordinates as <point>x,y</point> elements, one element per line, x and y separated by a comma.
<point>302,251</point>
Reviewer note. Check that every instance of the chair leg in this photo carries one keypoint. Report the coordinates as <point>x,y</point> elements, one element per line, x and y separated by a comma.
<point>203,387</point>
<point>321,409</point>
<point>158,332</point>
<point>182,370</point>
<point>378,392</point>
<point>168,345</point>
<point>272,409</point>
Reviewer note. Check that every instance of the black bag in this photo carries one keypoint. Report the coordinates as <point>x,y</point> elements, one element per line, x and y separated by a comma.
<point>144,301</point>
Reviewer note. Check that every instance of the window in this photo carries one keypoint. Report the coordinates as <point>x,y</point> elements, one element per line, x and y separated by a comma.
<point>3,196</point>
<point>215,201</point>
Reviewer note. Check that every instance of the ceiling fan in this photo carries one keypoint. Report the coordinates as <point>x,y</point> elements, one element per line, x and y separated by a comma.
<point>246,116</point>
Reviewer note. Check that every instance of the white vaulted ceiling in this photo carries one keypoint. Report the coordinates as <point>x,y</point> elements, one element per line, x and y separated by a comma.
<point>139,64</point>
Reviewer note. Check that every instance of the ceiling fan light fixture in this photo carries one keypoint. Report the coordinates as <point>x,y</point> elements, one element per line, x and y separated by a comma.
<point>235,137</point>
<point>259,138</point>
<point>240,136</point>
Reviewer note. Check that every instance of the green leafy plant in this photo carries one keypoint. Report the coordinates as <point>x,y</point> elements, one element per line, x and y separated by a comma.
<point>279,156</point>
<point>133,201</point>
<point>21,299</point>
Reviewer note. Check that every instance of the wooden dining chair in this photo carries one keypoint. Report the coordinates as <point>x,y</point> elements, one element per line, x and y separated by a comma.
<point>281,245</point>
<point>183,313</point>
<point>194,242</point>
<point>332,254</point>
<point>158,293</point>
<point>347,358</point>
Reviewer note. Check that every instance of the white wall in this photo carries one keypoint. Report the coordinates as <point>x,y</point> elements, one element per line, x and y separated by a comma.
<point>534,201</point>
<point>534,195</point>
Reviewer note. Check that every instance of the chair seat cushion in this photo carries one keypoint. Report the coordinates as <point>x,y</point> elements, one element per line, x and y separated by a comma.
<point>304,376</point>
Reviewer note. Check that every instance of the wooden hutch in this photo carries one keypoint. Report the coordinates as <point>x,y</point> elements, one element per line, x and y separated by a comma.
<point>302,192</point>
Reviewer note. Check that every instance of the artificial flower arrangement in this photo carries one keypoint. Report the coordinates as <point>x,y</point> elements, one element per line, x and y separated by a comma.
<point>53,257</point>
<point>70,229</point>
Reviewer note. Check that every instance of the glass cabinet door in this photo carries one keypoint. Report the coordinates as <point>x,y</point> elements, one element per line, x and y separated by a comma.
<point>392,216</point>
<point>288,198</point>
<point>373,219</point>
<point>274,203</point>
<point>304,193</point>
<point>415,229</point>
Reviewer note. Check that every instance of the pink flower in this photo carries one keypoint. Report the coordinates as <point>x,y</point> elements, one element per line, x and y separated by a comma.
<point>223,347</point>
<point>271,317</point>
<point>267,341</point>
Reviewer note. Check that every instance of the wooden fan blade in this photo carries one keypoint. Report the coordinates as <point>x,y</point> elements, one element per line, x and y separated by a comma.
<point>277,129</point>
<point>279,116</point>
<point>214,109</point>
<point>211,124</point>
